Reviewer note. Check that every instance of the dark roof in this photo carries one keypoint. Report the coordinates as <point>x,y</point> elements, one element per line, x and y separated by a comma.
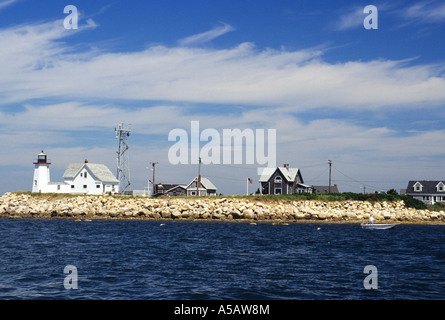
<point>428,187</point>
<point>325,189</point>
<point>166,186</point>
<point>290,174</point>
<point>183,186</point>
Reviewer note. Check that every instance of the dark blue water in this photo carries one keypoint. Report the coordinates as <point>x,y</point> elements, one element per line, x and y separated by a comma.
<point>218,260</point>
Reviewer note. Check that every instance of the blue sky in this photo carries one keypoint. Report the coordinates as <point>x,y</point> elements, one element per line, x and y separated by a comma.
<point>369,100</point>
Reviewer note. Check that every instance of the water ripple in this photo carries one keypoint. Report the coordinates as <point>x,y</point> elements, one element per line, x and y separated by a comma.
<point>202,260</point>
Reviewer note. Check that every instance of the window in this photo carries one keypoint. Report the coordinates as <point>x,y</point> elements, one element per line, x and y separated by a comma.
<point>278,179</point>
<point>84,186</point>
<point>72,186</point>
<point>97,186</point>
<point>85,174</point>
<point>417,187</point>
<point>35,182</point>
<point>58,187</point>
<point>277,190</point>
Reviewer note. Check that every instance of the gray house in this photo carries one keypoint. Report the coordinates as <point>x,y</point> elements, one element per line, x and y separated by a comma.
<point>283,180</point>
<point>326,189</point>
<point>207,188</point>
<point>429,192</point>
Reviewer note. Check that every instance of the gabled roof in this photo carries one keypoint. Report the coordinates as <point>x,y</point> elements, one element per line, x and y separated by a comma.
<point>183,186</point>
<point>205,183</point>
<point>428,187</point>
<point>100,171</point>
<point>290,174</point>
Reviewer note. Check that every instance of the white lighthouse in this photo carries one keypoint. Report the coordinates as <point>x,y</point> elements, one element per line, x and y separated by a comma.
<point>41,173</point>
<point>79,178</point>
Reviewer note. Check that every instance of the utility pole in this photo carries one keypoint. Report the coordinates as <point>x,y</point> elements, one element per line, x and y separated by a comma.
<point>198,182</point>
<point>330,166</point>
<point>154,184</point>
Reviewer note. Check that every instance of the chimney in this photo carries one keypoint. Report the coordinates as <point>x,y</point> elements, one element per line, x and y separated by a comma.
<point>285,165</point>
<point>86,161</point>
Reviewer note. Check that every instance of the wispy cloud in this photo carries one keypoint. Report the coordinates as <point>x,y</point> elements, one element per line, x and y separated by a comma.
<point>206,36</point>
<point>349,19</point>
<point>5,3</point>
<point>425,12</point>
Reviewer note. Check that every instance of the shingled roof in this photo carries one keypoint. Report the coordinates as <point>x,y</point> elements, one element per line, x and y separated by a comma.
<point>290,174</point>
<point>100,171</point>
<point>428,187</point>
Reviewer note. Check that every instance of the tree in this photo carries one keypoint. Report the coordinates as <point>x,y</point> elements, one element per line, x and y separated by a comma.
<point>393,192</point>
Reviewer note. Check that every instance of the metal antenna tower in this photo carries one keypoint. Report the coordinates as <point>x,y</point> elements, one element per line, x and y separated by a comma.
<point>123,170</point>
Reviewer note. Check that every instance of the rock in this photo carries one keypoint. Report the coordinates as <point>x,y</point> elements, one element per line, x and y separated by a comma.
<point>248,214</point>
<point>25,205</point>
<point>322,216</point>
<point>165,212</point>
<point>386,214</point>
<point>176,214</point>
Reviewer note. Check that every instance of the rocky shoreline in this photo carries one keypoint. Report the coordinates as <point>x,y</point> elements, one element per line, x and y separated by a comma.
<point>17,205</point>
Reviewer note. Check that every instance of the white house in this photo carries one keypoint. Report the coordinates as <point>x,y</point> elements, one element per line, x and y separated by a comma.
<point>427,191</point>
<point>80,178</point>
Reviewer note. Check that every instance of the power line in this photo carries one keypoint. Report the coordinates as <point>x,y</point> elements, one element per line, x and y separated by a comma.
<point>357,181</point>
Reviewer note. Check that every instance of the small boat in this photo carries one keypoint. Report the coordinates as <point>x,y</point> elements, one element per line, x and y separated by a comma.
<point>378,226</point>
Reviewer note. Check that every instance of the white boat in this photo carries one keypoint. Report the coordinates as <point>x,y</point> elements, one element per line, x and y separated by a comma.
<point>378,226</point>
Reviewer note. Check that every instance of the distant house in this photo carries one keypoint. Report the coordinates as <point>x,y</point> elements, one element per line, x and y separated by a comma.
<point>325,189</point>
<point>171,189</point>
<point>179,190</point>
<point>81,178</point>
<point>429,192</point>
<point>207,188</point>
<point>283,180</point>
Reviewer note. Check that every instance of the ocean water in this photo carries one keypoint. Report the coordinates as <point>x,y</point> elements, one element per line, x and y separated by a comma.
<point>182,260</point>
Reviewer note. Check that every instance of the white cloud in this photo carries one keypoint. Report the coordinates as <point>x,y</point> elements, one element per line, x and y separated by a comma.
<point>5,3</point>
<point>206,36</point>
<point>350,18</point>
<point>425,12</point>
<point>37,65</point>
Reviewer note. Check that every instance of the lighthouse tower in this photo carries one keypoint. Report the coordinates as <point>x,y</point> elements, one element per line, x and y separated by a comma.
<point>41,173</point>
